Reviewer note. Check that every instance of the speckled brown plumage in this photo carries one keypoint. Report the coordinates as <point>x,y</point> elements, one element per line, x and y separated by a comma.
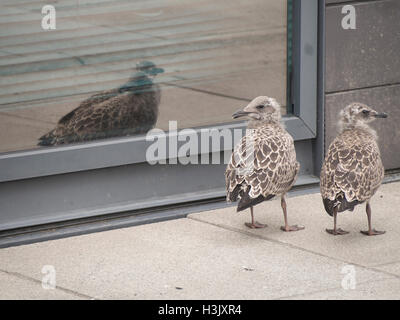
<point>263,164</point>
<point>353,170</point>
<point>274,165</point>
<point>127,110</point>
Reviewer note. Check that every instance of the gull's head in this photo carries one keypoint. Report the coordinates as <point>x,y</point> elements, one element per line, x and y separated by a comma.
<point>262,109</point>
<point>358,114</point>
<point>149,68</point>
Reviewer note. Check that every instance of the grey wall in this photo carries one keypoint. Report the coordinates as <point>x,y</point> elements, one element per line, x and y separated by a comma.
<point>364,65</point>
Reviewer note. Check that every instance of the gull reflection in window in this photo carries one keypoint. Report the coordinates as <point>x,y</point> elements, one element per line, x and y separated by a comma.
<point>129,109</point>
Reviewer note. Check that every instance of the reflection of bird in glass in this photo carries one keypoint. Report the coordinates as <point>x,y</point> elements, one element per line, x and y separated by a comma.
<point>130,109</point>
<point>263,164</point>
<point>352,170</point>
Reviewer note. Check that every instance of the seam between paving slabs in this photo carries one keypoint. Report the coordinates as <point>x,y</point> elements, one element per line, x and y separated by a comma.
<point>292,246</point>
<point>329,289</point>
<point>66,290</point>
<point>385,264</point>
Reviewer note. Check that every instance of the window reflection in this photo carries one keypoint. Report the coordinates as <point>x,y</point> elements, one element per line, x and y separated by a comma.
<point>129,109</point>
<point>101,73</point>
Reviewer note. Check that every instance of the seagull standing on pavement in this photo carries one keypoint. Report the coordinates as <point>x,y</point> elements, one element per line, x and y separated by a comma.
<point>263,164</point>
<point>353,169</point>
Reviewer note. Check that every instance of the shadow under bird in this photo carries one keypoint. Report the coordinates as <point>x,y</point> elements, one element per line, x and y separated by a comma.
<point>352,170</point>
<point>129,109</point>
<point>263,164</point>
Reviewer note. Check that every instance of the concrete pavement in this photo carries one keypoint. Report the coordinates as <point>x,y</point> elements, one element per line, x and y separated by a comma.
<point>211,255</point>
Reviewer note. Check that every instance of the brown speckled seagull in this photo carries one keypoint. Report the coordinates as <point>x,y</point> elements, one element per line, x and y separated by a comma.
<point>353,169</point>
<point>129,109</point>
<point>263,164</point>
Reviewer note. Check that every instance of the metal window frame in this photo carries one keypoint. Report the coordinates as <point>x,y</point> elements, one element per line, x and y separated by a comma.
<point>44,174</point>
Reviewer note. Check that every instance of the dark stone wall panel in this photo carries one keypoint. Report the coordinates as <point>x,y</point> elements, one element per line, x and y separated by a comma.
<point>367,56</point>
<point>385,99</point>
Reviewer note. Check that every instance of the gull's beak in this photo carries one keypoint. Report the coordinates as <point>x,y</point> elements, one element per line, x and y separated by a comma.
<point>380,115</point>
<point>158,70</point>
<point>239,114</point>
<point>154,71</point>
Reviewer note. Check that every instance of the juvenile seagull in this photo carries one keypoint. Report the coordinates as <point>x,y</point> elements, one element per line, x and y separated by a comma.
<point>263,164</point>
<point>353,169</point>
<point>129,109</point>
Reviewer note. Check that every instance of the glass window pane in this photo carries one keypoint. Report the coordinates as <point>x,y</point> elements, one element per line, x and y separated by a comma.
<point>101,72</point>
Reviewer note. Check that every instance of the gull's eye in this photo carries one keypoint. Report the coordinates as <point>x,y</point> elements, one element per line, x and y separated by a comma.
<point>260,107</point>
<point>365,112</point>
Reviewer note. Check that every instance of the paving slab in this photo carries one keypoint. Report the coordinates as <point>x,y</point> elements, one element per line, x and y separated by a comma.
<point>179,259</point>
<point>393,268</point>
<point>378,290</point>
<point>309,211</point>
<point>15,287</point>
